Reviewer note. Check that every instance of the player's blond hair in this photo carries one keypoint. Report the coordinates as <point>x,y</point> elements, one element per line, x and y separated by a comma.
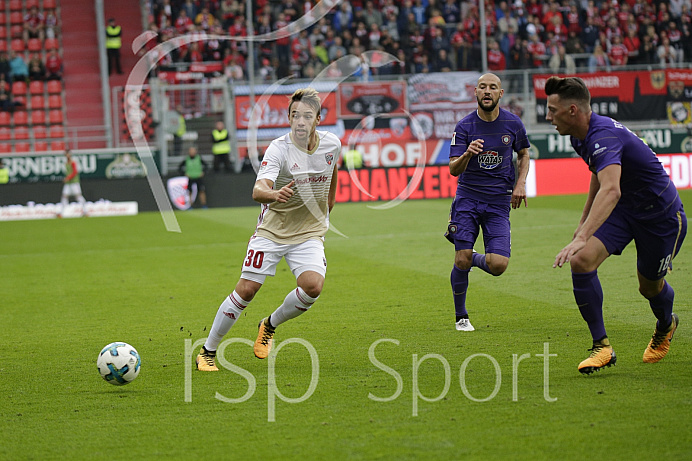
<point>309,96</point>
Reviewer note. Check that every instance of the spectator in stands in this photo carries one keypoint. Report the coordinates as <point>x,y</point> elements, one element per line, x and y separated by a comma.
<point>618,52</point>
<point>667,53</point>
<point>183,23</point>
<point>686,42</point>
<point>598,61</point>
<point>33,24</point>
<point>190,9</point>
<point>52,25</point>
<point>5,66</point>
<point>562,63</point>
<point>632,43</point>
<point>5,94</point>
<point>442,63</point>
<point>343,18</point>
<point>18,67</point>
<point>647,51</point>
<point>267,72</point>
<point>205,19</point>
<point>589,35</point>
<point>496,60</point>
<point>37,71</point>
<point>336,47</point>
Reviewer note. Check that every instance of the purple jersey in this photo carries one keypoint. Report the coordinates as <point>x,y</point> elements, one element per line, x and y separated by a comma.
<point>489,176</point>
<point>646,189</point>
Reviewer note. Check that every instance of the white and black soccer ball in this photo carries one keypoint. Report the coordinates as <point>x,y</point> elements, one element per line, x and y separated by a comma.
<point>119,363</point>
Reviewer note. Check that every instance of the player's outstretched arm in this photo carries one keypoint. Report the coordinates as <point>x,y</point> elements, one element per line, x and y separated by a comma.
<point>264,192</point>
<point>519,192</point>
<point>457,165</point>
<point>331,200</point>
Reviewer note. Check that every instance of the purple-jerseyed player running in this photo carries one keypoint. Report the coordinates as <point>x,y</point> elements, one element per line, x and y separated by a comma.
<point>480,153</point>
<point>631,197</point>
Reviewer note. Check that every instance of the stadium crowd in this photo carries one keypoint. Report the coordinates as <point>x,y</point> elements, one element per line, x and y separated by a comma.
<point>433,35</point>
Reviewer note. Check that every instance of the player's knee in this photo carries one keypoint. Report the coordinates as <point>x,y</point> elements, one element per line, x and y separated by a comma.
<point>650,288</point>
<point>498,268</point>
<point>313,288</point>
<point>578,263</point>
<point>462,261</point>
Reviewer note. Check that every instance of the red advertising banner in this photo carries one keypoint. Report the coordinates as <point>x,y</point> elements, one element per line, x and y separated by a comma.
<point>632,95</point>
<point>384,184</point>
<point>357,100</point>
<point>274,113</point>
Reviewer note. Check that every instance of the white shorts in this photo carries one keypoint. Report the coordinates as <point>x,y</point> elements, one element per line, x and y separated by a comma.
<point>71,189</point>
<point>263,255</point>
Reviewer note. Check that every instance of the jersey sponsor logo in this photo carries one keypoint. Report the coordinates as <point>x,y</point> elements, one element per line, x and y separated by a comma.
<point>329,157</point>
<point>263,164</point>
<point>600,151</point>
<point>295,167</point>
<point>454,139</point>
<point>489,160</point>
<point>506,139</point>
<point>312,180</point>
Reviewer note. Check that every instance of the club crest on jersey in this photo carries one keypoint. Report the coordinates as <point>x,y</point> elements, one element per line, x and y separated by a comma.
<point>295,167</point>
<point>262,165</point>
<point>506,139</point>
<point>489,160</point>
<point>329,157</point>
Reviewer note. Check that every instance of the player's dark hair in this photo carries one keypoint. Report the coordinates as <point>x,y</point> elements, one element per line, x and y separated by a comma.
<point>309,96</point>
<point>572,88</point>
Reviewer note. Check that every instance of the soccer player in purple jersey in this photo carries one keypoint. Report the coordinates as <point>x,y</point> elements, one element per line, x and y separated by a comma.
<point>480,154</point>
<point>631,197</point>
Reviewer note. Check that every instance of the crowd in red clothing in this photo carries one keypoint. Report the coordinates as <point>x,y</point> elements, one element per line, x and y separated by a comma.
<point>433,35</point>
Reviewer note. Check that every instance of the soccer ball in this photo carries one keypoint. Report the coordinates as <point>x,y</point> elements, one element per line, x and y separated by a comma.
<point>118,363</point>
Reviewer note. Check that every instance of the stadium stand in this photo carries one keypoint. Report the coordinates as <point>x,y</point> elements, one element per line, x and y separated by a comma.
<point>35,104</point>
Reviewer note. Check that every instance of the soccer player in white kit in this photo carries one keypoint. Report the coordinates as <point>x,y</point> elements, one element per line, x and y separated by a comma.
<point>296,187</point>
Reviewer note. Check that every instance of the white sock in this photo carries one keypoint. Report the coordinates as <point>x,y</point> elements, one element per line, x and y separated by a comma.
<point>82,201</point>
<point>297,302</point>
<point>63,203</point>
<point>229,311</point>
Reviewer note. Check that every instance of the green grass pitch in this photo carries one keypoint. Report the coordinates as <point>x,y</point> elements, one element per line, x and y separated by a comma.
<point>390,377</point>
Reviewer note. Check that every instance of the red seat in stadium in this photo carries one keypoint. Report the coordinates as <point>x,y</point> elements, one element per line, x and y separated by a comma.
<point>38,117</point>
<point>57,145</point>
<point>40,132</point>
<point>5,134</point>
<point>19,88</point>
<point>36,87</point>
<point>20,101</point>
<point>17,45</point>
<point>34,44</point>
<point>3,18</point>
<point>21,132</point>
<point>16,18</point>
<point>37,102</point>
<point>32,3</point>
<point>5,148</point>
<point>54,86</point>
<point>5,119</point>
<point>51,43</point>
<point>3,32</point>
<point>21,118</point>
<point>40,146</point>
<point>16,31</point>
<point>22,147</point>
<point>49,4</point>
<point>16,5</point>
<point>54,101</point>
<point>55,117</point>
<point>3,46</point>
<point>56,132</point>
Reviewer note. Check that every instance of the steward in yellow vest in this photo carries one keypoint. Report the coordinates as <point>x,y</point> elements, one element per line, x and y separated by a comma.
<point>221,147</point>
<point>113,45</point>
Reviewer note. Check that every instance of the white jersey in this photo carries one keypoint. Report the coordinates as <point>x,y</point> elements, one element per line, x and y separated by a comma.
<point>306,214</point>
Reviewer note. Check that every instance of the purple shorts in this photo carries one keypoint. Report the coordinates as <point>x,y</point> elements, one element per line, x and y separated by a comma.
<point>657,240</point>
<point>468,216</point>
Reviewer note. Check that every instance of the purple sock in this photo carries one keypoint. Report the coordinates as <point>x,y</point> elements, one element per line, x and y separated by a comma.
<point>662,305</point>
<point>478,260</point>
<point>460,283</point>
<point>589,297</point>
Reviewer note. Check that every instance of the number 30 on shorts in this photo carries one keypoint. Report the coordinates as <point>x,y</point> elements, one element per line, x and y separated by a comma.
<point>254,259</point>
